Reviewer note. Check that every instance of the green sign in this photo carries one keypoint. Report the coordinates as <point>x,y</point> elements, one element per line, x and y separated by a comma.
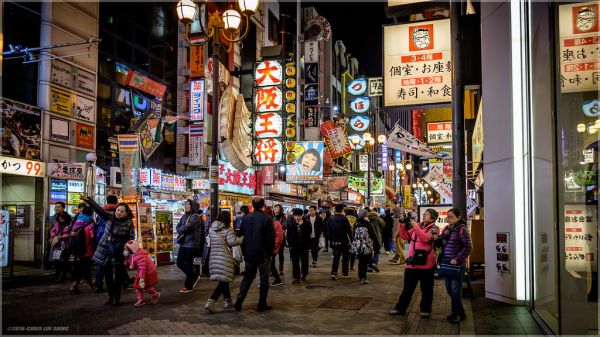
<point>360,184</point>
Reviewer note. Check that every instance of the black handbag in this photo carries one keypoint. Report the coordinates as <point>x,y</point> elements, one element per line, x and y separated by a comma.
<point>180,239</point>
<point>419,257</point>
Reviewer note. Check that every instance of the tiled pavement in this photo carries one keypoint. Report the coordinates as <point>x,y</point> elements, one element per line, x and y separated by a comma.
<point>50,306</point>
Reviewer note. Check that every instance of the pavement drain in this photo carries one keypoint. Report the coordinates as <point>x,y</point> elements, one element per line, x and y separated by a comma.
<point>345,302</point>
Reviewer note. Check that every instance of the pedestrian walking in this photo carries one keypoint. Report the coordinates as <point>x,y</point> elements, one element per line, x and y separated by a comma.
<point>190,238</point>
<point>279,215</point>
<point>316,224</point>
<point>244,210</point>
<point>147,276</point>
<point>222,263</point>
<point>81,246</point>
<point>259,243</point>
<point>364,243</point>
<point>119,230</point>
<point>386,232</point>
<point>378,224</point>
<point>278,242</point>
<point>340,234</point>
<point>456,245</point>
<point>299,236</point>
<point>396,238</point>
<point>59,235</point>
<point>99,228</point>
<point>421,261</point>
<point>326,216</point>
<point>351,216</point>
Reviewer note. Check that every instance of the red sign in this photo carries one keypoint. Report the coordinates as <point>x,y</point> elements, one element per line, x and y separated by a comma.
<point>196,61</point>
<point>268,173</point>
<point>145,84</point>
<point>84,136</point>
<point>336,139</point>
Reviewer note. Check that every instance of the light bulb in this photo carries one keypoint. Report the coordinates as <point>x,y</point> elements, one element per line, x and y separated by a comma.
<point>366,136</point>
<point>581,127</point>
<point>409,166</point>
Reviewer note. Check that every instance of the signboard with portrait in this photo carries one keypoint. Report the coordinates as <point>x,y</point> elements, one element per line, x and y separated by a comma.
<point>21,128</point>
<point>308,166</point>
<point>418,70</point>
<point>146,228</point>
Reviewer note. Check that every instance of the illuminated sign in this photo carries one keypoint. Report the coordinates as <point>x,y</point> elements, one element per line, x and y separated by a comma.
<point>268,151</point>
<point>197,100</point>
<point>360,104</point>
<point>308,166</point>
<point>357,142</point>
<point>439,132</point>
<point>357,87</point>
<point>144,177</point>
<point>268,99</point>
<point>232,180</point>
<point>359,123</point>
<point>336,139</point>
<point>22,167</point>
<point>268,73</point>
<point>268,125</point>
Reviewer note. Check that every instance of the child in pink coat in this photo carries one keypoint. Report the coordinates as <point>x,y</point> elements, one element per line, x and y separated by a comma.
<point>147,276</point>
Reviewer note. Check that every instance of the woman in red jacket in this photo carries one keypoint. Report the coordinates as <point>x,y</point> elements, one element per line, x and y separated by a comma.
<point>278,242</point>
<point>147,276</point>
<point>421,262</point>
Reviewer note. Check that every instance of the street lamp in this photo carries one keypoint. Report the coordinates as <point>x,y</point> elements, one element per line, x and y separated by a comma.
<point>392,167</point>
<point>381,139</point>
<point>226,27</point>
<point>408,166</point>
<point>366,136</point>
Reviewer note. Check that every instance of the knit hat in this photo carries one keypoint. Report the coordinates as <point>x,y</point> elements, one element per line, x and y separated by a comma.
<point>362,213</point>
<point>397,212</point>
<point>433,212</point>
<point>132,246</point>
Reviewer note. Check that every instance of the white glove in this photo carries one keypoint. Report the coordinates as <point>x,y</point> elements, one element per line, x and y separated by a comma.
<point>142,283</point>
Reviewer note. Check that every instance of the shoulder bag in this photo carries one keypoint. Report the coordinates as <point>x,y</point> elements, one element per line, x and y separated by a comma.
<point>419,257</point>
<point>181,237</point>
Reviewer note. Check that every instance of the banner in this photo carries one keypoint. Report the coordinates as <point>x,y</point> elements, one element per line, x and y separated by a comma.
<point>129,155</point>
<point>439,181</point>
<point>403,140</point>
<point>336,139</point>
<point>147,132</point>
<point>21,128</point>
<point>146,228</point>
<point>196,134</point>
<point>196,61</point>
<point>308,167</point>
<point>360,184</point>
<point>164,231</point>
<point>75,171</point>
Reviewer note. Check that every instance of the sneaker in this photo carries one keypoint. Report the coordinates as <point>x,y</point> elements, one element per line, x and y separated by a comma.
<point>185,290</point>
<point>314,264</point>
<point>264,308</point>
<point>375,268</point>
<point>387,253</point>
<point>154,300</point>
<point>424,314</point>
<point>364,281</point>
<point>210,306</point>
<point>139,303</point>
<point>345,277</point>
<point>276,283</point>
<point>395,312</point>
<point>227,303</point>
<point>334,277</point>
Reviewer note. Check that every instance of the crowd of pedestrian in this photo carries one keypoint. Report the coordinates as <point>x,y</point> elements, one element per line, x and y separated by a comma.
<point>105,236</point>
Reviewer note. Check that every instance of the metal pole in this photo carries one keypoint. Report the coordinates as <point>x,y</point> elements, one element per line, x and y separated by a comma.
<point>459,187</point>
<point>214,161</point>
<point>299,106</point>
<point>369,178</point>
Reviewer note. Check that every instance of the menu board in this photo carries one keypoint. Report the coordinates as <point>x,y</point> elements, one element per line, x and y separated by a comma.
<point>146,229</point>
<point>164,231</point>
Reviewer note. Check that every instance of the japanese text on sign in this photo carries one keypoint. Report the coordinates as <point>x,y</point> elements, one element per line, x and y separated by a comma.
<point>268,99</point>
<point>22,167</point>
<point>268,73</point>
<point>197,100</point>
<point>439,132</point>
<point>232,180</point>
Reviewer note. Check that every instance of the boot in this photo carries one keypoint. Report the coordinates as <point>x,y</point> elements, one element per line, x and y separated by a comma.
<point>228,303</point>
<point>210,306</point>
<point>74,287</point>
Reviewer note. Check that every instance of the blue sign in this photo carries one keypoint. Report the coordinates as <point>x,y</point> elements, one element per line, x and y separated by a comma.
<point>58,185</point>
<point>357,87</point>
<point>58,196</point>
<point>360,104</point>
<point>356,145</point>
<point>4,232</point>
<point>359,123</point>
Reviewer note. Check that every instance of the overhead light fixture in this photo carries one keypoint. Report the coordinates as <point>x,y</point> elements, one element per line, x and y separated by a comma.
<point>391,167</point>
<point>409,166</point>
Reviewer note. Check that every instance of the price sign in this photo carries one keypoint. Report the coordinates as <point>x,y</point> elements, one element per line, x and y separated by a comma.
<point>22,167</point>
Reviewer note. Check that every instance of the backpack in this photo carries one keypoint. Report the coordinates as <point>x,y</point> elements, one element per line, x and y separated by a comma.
<point>362,243</point>
<point>78,244</point>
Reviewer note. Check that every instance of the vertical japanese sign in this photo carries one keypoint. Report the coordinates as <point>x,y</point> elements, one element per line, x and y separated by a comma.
<point>4,237</point>
<point>308,167</point>
<point>197,100</point>
<point>579,40</point>
<point>439,132</point>
<point>290,108</point>
<point>196,61</point>
<point>359,105</point>
<point>384,157</point>
<point>196,156</point>
<point>129,155</point>
<point>268,108</point>
<point>417,63</point>
<point>581,241</point>
<point>336,139</point>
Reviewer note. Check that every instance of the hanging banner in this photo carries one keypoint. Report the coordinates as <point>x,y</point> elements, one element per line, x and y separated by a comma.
<point>197,100</point>
<point>196,134</point>
<point>308,167</point>
<point>578,26</point>
<point>417,63</point>
<point>143,83</point>
<point>196,61</point>
<point>129,155</point>
<point>439,181</point>
<point>147,132</point>
<point>336,139</point>
<point>142,106</point>
<point>403,140</point>
<point>21,129</point>
<point>360,184</point>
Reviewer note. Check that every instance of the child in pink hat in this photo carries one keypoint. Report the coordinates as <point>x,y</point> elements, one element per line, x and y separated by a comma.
<point>147,276</point>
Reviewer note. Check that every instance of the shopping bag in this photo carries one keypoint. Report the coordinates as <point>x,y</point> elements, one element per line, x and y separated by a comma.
<point>322,242</point>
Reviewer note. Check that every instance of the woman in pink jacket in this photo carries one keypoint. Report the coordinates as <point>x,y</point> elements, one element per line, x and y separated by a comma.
<point>147,276</point>
<point>421,262</point>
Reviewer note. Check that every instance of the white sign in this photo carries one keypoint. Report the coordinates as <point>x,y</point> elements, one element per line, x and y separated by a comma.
<point>144,177</point>
<point>84,108</point>
<point>442,220</point>
<point>200,184</point>
<point>76,186</point>
<point>363,162</point>
<point>311,51</point>
<point>588,156</point>
<point>375,86</point>
<point>477,139</point>
<point>22,167</point>
<point>403,140</point>
<point>197,100</point>
<point>417,63</point>
<point>439,132</point>
<point>439,181</point>
<point>581,241</point>
<point>268,72</point>
<point>578,25</point>
<point>196,156</point>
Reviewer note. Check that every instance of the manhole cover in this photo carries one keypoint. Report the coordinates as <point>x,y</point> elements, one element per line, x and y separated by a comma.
<point>345,302</point>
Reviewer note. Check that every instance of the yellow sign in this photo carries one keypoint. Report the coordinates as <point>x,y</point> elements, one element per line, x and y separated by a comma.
<point>22,167</point>
<point>60,101</point>
<point>407,202</point>
<point>74,198</point>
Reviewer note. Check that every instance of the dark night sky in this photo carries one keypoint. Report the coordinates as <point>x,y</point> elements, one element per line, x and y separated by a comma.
<point>358,25</point>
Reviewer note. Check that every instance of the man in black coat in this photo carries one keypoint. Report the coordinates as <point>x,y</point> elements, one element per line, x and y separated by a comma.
<point>257,247</point>
<point>316,224</point>
<point>298,236</point>
<point>340,234</point>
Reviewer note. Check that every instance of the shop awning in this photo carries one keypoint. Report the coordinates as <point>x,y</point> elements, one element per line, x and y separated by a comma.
<point>390,193</point>
<point>289,199</point>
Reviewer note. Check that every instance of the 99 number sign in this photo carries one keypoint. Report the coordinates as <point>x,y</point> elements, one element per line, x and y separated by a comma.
<point>22,167</point>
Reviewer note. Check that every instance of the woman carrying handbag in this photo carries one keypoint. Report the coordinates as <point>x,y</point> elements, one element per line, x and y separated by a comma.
<point>222,263</point>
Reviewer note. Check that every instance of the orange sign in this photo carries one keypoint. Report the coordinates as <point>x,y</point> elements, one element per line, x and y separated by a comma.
<point>420,37</point>
<point>85,136</point>
<point>196,61</point>
<point>145,84</point>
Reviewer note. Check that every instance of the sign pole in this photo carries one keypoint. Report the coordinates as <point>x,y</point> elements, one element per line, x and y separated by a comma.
<point>214,161</point>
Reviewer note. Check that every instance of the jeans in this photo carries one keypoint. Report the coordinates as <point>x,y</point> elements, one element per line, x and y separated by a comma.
<point>263,269</point>
<point>411,278</point>
<point>185,262</point>
<point>314,248</point>
<point>114,283</point>
<point>221,289</point>
<point>83,269</point>
<point>352,259</point>
<point>299,256</point>
<point>363,261</point>
<point>374,259</point>
<point>99,275</point>
<point>344,254</point>
<point>274,271</point>
<point>454,289</point>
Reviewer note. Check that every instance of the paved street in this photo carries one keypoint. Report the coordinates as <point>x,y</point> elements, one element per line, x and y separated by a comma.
<point>34,308</point>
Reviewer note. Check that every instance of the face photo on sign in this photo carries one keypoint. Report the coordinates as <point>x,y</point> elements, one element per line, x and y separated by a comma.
<point>585,19</point>
<point>420,37</point>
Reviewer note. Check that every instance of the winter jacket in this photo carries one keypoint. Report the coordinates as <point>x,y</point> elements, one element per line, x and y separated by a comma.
<point>421,239</point>
<point>340,232</point>
<point>193,230</point>
<point>318,228</point>
<point>116,233</point>
<point>221,265</point>
<point>351,220</point>
<point>278,236</point>
<point>377,223</point>
<point>259,236</point>
<point>365,223</point>
<point>85,223</point>
<point>100,223</point>
<point>62,231</point>
<point>458,243</point>
<point>298,235</point>
<point>145,267</point>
